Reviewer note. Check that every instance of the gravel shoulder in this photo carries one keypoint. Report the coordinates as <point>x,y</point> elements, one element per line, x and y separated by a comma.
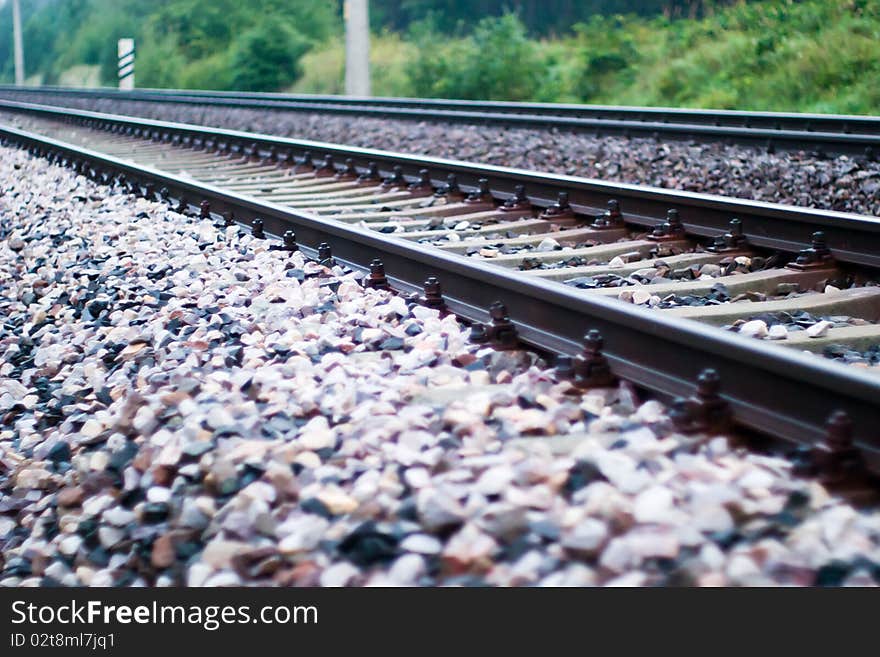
<point>183,405</point>
<point>842,183</point>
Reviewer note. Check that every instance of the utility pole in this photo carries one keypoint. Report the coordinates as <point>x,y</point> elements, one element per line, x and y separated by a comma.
<point>16,38</point>
<point>357,48</point>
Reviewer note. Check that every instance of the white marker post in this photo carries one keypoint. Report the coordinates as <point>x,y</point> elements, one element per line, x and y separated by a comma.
<point>357,48</point>
<point>125,64</point>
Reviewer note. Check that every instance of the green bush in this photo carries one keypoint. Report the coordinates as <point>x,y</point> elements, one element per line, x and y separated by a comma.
<point>267,57</point>
<point>606,52</point>
<point>159,62</point>
<point>497,62</point>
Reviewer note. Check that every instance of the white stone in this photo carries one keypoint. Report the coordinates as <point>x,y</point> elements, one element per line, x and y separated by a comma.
<point>421,543</point>
<point>301,534</point>
<point>617,556</point>
<point>407,569</point>
<point>547,244</point>
<point>92,428</point>
<point>587,536</point>
<point>118,516</point>
<point>819,329</point>
<point>158,494</point>
<point>756,478</point>
<point>198,574</point>
<point>741,567</point>
<point>219,417</point>
<point>219,553</point>
<point>225,578</point>
<point>469,544</point>
<point>714,518</point>
<point>339,574</point>
<point>756,328</point>
<point>628,580</point>
<point>69,544</point>
<point>144,420</point>
<point>338,501</point>
<point>777,332</point>
<point>494,480</point>
<point>653,505</point>
<point>711,556</point>
<point>110,536</point>
<point>417,477</point>
<point>316,434</point>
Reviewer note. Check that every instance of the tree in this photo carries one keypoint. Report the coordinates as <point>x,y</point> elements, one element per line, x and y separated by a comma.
<point>267,57</point>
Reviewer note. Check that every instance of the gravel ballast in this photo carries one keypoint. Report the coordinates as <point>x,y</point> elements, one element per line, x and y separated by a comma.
<point>183,405</point>
<point>795,178</point>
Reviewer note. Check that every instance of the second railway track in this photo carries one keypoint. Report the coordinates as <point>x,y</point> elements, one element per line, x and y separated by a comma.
<point>822,134</point>
<point>554,250</point>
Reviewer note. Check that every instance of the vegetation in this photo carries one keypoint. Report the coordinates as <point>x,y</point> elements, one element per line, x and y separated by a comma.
<point>806,55</point>
<point>211,44</point>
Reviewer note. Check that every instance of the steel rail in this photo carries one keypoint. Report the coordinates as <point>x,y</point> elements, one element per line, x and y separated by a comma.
<point>821,133</point>
<point>774,391</point>
<point>852,238</point>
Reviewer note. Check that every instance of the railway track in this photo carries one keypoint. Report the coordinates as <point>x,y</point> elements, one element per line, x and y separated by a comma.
<point>823,134</point>
<point>560,254</point>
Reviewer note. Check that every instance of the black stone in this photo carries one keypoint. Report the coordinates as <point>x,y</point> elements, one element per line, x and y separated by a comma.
<point>155,512</point>
<point>17,567</point>
<point>187,549</point>
<point>99,557</point>
<point>545,529</point>
<point>832,573</point>
<point>408,510</point>
<point>580,475</point>
<point>325,453</point>
<point>317,507</point>
<point>725,539</point>
<point>130,498</point>
<point>60,452</point>
<point>366,545</point>
<point>103,396</point>
<point>88,529</point>
<point>121,458</point>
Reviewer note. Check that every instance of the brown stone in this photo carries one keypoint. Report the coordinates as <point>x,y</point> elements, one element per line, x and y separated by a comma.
<point>303,574</point>
<point>259,562</point>
<point>163,552</point>
<point>142,461</point>
<point>174,398</point>
<point>39,562</point>
<point>98,482</point>
<point>70,496</point>
<point>163,475</point>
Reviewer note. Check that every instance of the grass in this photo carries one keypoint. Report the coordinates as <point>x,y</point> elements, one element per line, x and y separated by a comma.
<point>324,67</point>
<point>811,56</point>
